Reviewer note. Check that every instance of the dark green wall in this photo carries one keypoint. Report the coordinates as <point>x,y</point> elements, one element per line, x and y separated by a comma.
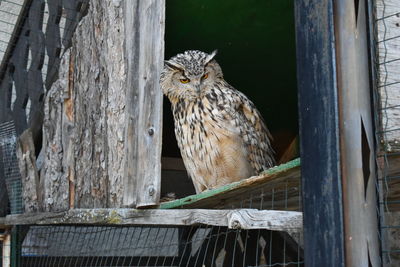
<point>256,49</point>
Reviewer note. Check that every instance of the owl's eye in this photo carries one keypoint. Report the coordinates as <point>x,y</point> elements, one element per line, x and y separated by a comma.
<point>184,80</point>
<point>205,76</point>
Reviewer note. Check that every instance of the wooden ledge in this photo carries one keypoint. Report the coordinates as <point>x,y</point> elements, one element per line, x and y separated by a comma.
<point>236,219</point>
<point>282,176</point>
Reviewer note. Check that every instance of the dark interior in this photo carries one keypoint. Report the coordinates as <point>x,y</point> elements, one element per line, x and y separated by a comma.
<point>256,50</point>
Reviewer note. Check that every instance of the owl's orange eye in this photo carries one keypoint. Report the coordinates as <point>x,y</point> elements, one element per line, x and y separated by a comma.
<point>184,80</point>
<point>205,76</point>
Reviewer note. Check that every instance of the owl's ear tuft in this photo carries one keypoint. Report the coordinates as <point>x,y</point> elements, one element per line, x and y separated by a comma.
<point>211,56</point>
<point>172,65</point>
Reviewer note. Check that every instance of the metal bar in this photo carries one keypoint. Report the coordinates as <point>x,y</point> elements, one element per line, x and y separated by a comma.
<point>319,137</point>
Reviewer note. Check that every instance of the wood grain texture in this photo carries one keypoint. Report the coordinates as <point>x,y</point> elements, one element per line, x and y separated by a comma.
<point>53,175</point>
<point>237,219</point>
<point>99,103</point>
<point>356,135</point>
<point>144,31</point>
<point>29,175</point>
<point>388,46</point>
<point>84,125</point>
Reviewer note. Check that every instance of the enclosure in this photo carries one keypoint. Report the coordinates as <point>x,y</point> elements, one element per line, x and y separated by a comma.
<point>90,171</point>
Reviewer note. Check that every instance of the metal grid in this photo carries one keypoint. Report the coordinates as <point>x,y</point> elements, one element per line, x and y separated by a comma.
<point>283,195</point>
<point>155,246</point>
<point>386,20</point>
<point>11,172</point>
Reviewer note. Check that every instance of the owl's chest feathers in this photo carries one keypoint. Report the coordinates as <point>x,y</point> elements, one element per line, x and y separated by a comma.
<point>210,141</point>
<point>197,120</point>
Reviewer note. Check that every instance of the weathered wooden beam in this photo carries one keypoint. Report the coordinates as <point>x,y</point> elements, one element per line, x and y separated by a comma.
<point>144,48</point>
<point>237,218</point>
<point>319,139</point>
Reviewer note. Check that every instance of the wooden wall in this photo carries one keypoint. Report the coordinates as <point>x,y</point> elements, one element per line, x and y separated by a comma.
<point>102,128</point>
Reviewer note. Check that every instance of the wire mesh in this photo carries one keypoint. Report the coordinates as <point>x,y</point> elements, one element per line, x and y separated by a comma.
<point>11,174</point>
<point>283,195</point>
<point>386,29</point>
<point>155,246</point>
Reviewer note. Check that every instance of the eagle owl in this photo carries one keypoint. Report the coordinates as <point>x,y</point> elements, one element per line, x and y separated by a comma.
<point>221,135</point>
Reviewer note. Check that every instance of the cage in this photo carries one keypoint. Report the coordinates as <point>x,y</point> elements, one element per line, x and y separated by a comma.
<point>93,155</point>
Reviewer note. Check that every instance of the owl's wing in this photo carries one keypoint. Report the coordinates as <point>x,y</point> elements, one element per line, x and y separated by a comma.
<point>255,133</point>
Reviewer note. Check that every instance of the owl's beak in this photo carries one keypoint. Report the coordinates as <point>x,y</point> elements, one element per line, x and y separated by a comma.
<point>197,86</point>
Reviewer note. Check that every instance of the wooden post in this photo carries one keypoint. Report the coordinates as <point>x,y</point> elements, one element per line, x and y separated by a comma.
<point>319,137</point>
<point>144,44</point>
<point>356,128</point>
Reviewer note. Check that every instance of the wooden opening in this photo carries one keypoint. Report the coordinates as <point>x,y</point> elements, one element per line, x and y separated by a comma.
<point>256,50</point>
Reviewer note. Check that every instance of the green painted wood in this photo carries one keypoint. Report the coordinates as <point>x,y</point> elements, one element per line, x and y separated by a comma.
<point>206,194</point>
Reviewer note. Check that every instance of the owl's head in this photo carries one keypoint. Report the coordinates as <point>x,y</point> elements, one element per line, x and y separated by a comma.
<point>190,74</point>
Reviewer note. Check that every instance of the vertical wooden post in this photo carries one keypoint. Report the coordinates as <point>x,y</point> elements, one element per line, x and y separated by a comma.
<point>356,134</point>
<point>319,136</point>
<point>144,44</point>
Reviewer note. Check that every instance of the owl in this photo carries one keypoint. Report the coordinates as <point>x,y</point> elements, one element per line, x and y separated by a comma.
<point>220,133</point>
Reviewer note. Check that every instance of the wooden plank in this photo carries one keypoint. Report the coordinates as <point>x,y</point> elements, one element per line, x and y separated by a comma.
<point>237,218</point>
<point>144,44</point>
<point>284,176</point>
<point>388,45</point>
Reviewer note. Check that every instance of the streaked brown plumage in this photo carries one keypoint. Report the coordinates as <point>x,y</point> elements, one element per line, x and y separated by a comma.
<point>221,134</point>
